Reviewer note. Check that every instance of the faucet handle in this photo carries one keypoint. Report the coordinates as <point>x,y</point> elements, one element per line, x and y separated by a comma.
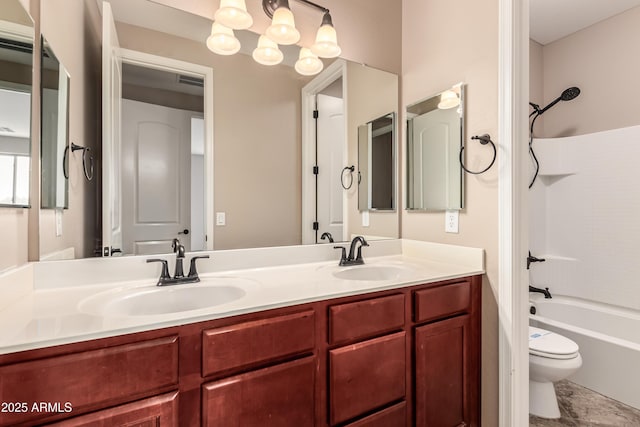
<point>192,267</point>
<point>343,257</point>
<point>165,268</point>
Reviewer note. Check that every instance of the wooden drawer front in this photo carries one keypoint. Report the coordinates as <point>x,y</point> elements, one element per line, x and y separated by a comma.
<point>366,376</point>
<point>92,379</point>
<point>277,396</point>
<point>442,301</point>
<point>363,319</point>
<point>394,416</point>
<point>160,411</point>
<point>250,343</point>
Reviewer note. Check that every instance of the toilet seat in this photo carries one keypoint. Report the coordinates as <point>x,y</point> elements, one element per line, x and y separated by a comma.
<point>550,345</point>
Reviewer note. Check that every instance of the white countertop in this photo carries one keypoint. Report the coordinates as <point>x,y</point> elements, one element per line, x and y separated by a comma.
<point>44,316</point>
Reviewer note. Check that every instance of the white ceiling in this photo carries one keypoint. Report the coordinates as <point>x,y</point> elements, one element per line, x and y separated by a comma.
<point>551,20</point>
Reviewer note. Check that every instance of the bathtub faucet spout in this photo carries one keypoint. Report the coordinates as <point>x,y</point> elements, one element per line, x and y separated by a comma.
<point>544,291</point>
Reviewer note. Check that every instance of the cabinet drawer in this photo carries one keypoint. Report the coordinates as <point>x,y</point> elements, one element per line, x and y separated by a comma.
<point>153,412</point>
<point>366,376</point>
<point>394,416</point>
<point>92,379</point>
<point>250,343</point>
<point>363,319</point>
<point>442,301</point>
<point>277,396</point>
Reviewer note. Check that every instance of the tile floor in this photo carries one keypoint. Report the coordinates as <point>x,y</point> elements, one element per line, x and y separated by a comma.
<point>580,406</point>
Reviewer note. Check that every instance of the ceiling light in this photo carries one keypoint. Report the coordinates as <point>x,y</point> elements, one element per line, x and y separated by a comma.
<point>222,40</point>
<point>326,45</point>
<point>233,14</point>
<point>308,64</point>
<point>448,99</point>
<point>267,52</point>
<point>283,28</point>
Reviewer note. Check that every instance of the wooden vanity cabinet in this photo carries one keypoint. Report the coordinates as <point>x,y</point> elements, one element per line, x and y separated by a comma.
<point>402,357</point>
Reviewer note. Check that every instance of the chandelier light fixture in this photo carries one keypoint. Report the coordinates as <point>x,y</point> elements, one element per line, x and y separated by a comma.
<point>233,15</point>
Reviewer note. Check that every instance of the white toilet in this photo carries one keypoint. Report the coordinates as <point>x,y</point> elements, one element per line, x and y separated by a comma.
<point>552,358</point>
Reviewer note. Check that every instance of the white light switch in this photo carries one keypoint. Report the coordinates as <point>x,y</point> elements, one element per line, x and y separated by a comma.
<point>451,221</point>
<point>58,222</point>
<point>221,218</point>
<point>365,218</point>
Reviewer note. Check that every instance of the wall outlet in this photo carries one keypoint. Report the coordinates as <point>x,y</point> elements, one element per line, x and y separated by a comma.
<point>58,222</point>
<point>221,218</point>
<point>451,221</point>
<point>365,218</point>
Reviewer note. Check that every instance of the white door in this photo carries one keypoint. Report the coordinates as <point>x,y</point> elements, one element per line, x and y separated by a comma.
<point>330,148</point>
<point>111,114</point>
<point>436,143</point>
<point>156,180</point>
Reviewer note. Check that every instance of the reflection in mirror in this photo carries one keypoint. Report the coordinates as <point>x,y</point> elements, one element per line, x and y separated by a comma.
<point>16,60</point>
<point>254,172</point>
<point>376,174</point>
<point>54,130</point>
<point>435,130</point>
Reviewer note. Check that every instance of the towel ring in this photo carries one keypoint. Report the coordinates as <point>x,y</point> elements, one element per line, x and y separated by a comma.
<point>484,140</point>
<point>86,151</point>
<point>350,169</point>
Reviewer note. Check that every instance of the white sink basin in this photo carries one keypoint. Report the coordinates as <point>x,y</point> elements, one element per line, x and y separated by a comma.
<point>159,300</point>
<point>371,272</point>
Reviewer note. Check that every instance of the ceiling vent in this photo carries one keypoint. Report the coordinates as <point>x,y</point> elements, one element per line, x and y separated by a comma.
<point>191,81</point>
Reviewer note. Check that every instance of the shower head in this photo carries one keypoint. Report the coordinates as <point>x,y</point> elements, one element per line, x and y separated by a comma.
<point>567,95</point>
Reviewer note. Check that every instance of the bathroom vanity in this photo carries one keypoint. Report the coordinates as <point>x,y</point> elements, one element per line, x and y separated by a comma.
<point>402,350</point>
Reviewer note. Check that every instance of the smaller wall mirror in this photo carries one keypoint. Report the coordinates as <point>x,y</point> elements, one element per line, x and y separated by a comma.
<point>435,128</point>
<point>16,59</point>
<point>376,171</point>
<point>54,130</point>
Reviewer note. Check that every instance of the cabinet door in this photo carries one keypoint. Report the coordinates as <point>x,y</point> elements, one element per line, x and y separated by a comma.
<point>277,396</point>
<point>443,383</point>
<point>160,411</point>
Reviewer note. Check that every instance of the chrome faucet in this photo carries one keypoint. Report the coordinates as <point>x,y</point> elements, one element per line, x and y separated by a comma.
<point>544,291</point>
<point>178,276</point>
<point>353,258</point>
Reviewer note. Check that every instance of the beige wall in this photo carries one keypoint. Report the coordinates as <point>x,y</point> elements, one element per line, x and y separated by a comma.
<point>75,36</point>
<point>257,152</point>
<point>436,55</point>
<point>370,94</point>
<point>602,61</point>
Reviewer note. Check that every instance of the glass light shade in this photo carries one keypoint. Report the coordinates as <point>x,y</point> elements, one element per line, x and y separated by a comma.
<point>233,14</point>
<point>326,45</point>
<point>308,64</point>
<point>283,28</point>
<point>448,99</point>
<point>222,40</point>
<point>267,52</point>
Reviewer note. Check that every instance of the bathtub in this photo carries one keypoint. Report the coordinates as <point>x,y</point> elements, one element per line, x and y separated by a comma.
<point>609,340</point>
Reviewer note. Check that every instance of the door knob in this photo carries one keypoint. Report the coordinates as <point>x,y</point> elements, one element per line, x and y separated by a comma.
<point>185,231</point>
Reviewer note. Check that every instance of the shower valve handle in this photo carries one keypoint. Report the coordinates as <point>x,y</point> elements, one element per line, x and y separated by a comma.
<point>531,259</point>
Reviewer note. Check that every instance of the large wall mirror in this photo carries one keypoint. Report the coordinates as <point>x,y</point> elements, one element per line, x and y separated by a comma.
<point>376,164</point>
<point>16,62</point>
<point>216,160</point>
<point>435,128</point>
<point>54,130</point>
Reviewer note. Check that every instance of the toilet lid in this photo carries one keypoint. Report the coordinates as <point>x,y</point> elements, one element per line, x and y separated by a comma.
<point>549,344</point>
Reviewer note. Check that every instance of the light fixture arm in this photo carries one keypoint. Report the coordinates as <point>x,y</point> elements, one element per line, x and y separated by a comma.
<point>270,6</point>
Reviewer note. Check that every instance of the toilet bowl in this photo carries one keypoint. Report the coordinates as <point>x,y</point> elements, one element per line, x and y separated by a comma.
<point>552,358</point>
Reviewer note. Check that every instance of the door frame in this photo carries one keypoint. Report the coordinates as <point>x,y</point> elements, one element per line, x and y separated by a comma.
<point>148,60</point>
<point>332,73</point>
<point>513,207</point>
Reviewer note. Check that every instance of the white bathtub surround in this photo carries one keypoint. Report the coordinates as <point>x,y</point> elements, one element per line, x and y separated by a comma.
<point>609,341</point>
<point>56,312</point>
<point>584,214</point>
